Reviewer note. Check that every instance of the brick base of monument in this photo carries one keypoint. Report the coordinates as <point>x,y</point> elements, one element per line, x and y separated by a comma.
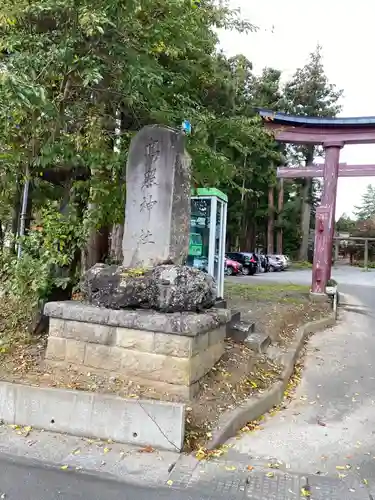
<point>168,353</point>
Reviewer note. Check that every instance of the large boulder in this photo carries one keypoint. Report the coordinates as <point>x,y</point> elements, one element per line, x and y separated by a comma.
<point>166,288</point>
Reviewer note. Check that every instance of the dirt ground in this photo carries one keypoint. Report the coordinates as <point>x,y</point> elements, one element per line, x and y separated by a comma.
<point>276,310</point>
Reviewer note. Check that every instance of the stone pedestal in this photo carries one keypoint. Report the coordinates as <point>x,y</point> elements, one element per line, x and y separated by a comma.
<point>169,353</point>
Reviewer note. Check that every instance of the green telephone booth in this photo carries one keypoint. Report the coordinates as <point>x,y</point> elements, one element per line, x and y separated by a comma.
<point>208,228</point>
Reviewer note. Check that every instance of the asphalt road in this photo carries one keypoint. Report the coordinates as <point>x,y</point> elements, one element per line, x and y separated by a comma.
<point>24,480</point>
<point>345,275</point>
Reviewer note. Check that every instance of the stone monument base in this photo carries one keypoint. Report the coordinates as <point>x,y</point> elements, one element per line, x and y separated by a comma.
<point>169,353</point>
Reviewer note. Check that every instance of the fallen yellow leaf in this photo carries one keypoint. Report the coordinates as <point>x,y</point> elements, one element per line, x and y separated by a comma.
<point>201,454</point>
<point>106,450</point>
<point>230,467</point>
<point>169,482</point>
<point>216,453</point>
<point>270,474</point>
<point>64,467</point>
<point>273,466</point>
<point>305,493</point>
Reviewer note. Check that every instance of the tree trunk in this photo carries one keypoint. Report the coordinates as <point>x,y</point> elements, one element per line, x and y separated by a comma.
<point>271,221</point>
<point>306,209</point>
<point>305,220</point>
<point>97,246</point>
<point>280,208</point>
<point>16,216</point>
<point>29,208</point>
<point>1,236</point>
<point>117,234</point>
<point>249,237</point>
<point>248,230</point>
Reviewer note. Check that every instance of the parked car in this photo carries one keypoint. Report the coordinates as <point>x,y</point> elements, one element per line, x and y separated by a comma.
<point>287,261</point>
<point>248,260</point>
<point>275,263</point>
<point>284,260</point>
<point>232,267</point>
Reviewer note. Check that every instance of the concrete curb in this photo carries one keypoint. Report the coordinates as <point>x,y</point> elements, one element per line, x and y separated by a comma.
<point>102,416</point>
<point>232,421</point>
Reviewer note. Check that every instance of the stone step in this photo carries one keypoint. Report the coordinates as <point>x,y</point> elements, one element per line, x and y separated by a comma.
<point>220,304</point>
<point>235,316</point>
<point>258,342</point>
<point>238,330</point>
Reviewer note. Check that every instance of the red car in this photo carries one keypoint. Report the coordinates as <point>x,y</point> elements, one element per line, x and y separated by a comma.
<point>232,267</point>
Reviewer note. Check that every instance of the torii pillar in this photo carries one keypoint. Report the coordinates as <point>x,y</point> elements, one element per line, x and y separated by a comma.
<point>325,218</point>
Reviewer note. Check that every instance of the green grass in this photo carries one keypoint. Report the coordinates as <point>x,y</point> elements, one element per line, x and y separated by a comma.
<point>301,265</point>
<point>270,292</point>
<point>360,263</point>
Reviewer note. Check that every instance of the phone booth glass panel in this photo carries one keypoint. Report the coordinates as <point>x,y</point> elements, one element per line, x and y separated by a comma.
<point>208,233</point>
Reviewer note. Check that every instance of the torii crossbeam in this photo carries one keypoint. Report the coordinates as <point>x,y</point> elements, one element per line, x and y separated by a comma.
<point>317,170</point>
<point>332,134</point>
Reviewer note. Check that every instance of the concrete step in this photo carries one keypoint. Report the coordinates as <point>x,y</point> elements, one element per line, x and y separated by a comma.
<point>258,342</point>
<point>221,304</point>
<point>235,317</point>
<point>238,330</point>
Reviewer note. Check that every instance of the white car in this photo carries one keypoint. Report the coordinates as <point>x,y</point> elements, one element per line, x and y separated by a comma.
<point>284,260</point>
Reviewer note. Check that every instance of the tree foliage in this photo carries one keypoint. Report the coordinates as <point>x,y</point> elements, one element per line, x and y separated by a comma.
<point>308,93</point>
<point>73,74</point>
<point>366,210</point>
<point>78,78</point>
<point>345,224</point>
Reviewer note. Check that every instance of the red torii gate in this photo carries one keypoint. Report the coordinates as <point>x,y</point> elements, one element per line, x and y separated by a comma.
<point>317,170</point>
<point>332,134</point>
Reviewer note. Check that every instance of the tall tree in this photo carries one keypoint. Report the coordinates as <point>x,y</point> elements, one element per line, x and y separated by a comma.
<point>75,77</point>
<point>366,210</point>
<point>309,93</point>
<point>255,155</point>
<point>345,223</point>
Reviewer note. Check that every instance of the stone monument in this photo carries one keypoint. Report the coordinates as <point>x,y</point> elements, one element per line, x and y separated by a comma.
<point>157,215</point>
<point>151,319</point>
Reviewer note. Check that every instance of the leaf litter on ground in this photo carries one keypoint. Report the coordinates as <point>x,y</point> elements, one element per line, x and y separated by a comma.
<point>240,373</point>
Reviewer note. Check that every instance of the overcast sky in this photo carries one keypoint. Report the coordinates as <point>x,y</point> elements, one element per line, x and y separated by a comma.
<point>289,30</point>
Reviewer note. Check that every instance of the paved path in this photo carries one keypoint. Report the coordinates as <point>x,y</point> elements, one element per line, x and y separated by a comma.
<point>327,433</point>
<point>329,428</point>
<point>344,275</point>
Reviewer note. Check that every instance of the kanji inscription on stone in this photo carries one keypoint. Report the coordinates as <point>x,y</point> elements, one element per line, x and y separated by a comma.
<point>152,153</point>
<point>145,237</point>
<point>157,214</point>
<point>147,203</point>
